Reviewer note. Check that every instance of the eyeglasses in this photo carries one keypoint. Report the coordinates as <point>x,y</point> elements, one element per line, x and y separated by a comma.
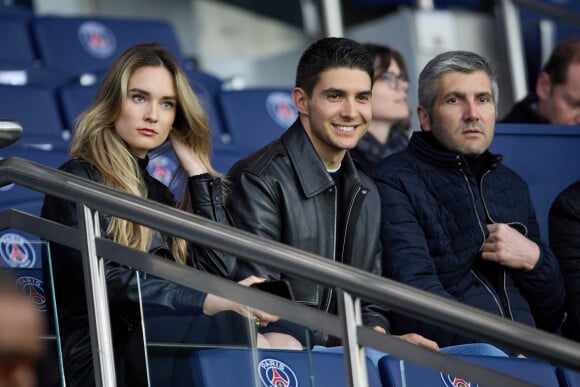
<point>394,80</point>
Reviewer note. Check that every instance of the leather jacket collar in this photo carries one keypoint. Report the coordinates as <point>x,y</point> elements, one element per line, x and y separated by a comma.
<point>310,169</point>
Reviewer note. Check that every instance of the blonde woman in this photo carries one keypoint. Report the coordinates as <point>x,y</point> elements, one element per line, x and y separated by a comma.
<point>144,99</point>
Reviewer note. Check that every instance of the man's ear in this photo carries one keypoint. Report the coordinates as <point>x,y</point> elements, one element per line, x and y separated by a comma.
<point>424,119</point>
<point>300,100</point>
<point>543,86</point>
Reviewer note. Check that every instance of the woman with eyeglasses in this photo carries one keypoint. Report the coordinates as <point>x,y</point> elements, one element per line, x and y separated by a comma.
<point>387,133</point>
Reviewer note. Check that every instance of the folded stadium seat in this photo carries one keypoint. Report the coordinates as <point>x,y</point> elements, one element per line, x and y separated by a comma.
<point>235,367</point>
<point>534,371</point>
<point>568,377</point>
<point>21,74</point>
<point>79,45</point>
<point>256,116</point>
<point>16,45</point>
<point>36,110</point>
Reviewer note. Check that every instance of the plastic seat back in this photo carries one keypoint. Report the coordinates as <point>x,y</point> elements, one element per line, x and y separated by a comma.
<point>79,45</point>
<point>273,368</point>
<point>395,373</point>
<point>254,117</point>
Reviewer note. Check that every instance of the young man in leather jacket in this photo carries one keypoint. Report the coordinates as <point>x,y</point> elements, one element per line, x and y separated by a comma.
<point>304,190</point>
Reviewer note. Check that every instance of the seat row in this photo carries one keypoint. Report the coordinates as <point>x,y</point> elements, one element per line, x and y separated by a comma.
<point>292,368</point>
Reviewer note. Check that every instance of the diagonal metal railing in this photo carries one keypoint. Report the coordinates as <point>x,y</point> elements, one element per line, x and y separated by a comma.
<point>351,281</point>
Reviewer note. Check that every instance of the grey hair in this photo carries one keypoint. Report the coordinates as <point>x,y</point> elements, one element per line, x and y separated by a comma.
<point>452,61</point>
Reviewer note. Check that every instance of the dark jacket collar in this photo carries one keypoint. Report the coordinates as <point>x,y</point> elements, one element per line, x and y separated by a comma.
<point>426,148</point>
<point>308,166</point>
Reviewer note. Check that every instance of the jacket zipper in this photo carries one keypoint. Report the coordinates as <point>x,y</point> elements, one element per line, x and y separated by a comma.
<point>504,274</point>
<point>346,221</point>
<point>330,290</point>
<point>498,304</point>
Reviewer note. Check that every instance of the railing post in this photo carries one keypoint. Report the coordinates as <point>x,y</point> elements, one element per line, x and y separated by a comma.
<point>354,355</point>
<point>97,300</point>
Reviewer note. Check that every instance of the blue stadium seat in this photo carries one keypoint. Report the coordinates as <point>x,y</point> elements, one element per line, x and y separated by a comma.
<point>15,11</point>
<point>74,98</point>
<point>20,197</point>
<point>21,74</point>
<point>30,282</point>
<point>545,156</point>
<point>78,45</point>
<point>36,109</point>
<point>19,250</point>
<point>532,370</point>
<point>15,41</point>
<point>567,377</point>
<point>235,367</point>
<point>254,117</point>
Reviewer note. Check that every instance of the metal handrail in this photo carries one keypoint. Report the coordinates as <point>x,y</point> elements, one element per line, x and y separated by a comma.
<point>357,283</point>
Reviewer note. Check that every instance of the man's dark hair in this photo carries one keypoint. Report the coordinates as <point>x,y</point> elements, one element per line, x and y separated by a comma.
<point>563,55</point>
<point>329,53</point>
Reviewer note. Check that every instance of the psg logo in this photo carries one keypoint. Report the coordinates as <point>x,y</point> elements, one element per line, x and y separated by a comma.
<point>274,373</point>
<point>281,108</point>
<point>33,288</point>
<point>452,381</point>
<point>97,39</point>
<point>161,167</point>
<point>16,251</point>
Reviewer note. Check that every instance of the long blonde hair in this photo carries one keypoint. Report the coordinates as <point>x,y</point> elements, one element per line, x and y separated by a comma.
<point>96,141</point>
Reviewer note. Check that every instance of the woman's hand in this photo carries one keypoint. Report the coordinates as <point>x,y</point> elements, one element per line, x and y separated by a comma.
<point>189,160</point>
<point>214,304</point>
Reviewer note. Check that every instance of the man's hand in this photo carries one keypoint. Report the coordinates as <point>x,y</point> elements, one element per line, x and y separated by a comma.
<point>415,338</point>
<point>506,246</point>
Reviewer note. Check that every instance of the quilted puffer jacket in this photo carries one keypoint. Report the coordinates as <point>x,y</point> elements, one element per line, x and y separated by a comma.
<point>434,216</point>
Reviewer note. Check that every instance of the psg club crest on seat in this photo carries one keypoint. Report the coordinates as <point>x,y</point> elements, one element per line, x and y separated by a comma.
<point>281,109</point>
<point>17,251</point>
<point>97,39</point>
<point>274,373</point>
<point>33,288</point>
<point>162,168</point>
<point>452,381</point>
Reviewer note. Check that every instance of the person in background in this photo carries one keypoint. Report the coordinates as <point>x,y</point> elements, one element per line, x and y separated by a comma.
<point>21,327</point>
<point>557,96</point>
<point>144,99</point>
<point>564,228</point>
<point>387,133</point>
<point>456,222</point>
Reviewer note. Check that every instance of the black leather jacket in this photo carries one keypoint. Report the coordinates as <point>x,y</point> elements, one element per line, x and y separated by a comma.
<point>564,220</point>
<point>284,193</point>
<point>159,296</point>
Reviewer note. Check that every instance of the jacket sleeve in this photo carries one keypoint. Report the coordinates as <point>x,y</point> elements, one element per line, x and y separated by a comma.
<point>121,281</point>
<point>254,207</point>
<point>543,286</point>
<point>207,201</point>
<point>564,223</point>
<point>406,257</point>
